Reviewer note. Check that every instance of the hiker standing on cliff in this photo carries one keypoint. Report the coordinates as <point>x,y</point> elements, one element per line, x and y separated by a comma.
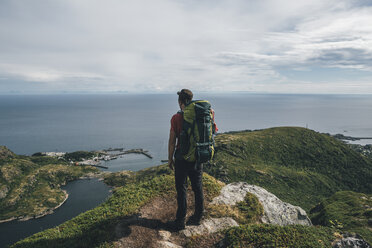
<point>184,168</point>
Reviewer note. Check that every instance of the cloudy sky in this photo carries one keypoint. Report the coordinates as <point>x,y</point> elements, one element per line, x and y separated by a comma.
<point>276,46</point>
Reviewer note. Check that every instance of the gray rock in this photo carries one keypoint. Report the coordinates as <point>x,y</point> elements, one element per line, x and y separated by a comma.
<point>351,241</point>
<point>166,244</point>
<point>164,235</point>
<point>275,211</point>
<point>209,226</point>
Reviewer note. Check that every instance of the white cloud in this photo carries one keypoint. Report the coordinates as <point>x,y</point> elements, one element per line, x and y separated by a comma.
<point>163,45</point>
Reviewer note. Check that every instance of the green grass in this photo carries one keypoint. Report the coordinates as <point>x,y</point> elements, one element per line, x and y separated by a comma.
<point>298,165</point>
<point>95,228</point>
<point>247,211</point>
<point>31,185</point>
<point>346,210</point>
<point>260,235</point>
<point>251,208</point>
<point>122,178</point>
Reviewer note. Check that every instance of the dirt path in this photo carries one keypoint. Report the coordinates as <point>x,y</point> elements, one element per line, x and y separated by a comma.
<point>148,227</point>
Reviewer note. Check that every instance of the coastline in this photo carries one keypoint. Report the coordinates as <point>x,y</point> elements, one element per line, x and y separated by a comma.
<point>98,175</point>
<point>46,212</point>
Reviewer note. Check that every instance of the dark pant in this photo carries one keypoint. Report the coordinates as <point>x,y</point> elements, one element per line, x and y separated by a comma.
<point>194,172</point>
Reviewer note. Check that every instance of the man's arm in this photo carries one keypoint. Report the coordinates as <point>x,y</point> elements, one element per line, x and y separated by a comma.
<point>171,147</point>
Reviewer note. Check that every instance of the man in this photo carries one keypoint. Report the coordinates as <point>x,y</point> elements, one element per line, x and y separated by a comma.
<point>184,169</point>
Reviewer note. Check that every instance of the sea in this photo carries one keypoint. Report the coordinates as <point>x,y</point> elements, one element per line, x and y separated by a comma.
<point>73,122</point>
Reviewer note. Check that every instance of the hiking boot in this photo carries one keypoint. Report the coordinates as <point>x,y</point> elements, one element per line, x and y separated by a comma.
<point>194,220</point>
<point>176,225</point>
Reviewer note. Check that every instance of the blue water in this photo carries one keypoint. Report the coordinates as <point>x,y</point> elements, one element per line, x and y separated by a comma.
<point>83,195</point>
<point>30,124</point>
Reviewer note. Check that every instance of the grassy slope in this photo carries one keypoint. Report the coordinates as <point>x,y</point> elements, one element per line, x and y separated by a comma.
<point>298,165</point>
<point>95,228</point>
<point>347,210</point>
<point>122,178</point>
<point>278,236</point>
<point>31,185</point>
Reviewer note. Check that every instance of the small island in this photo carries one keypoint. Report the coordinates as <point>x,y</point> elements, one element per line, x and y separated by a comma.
<point>93,158</point>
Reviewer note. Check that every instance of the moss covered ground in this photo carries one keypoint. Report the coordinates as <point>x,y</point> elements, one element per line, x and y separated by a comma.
<point>245,212</point>
<point>122,178</point>
<point>347,211</point>
<point>261,235</point>
<point>31,185</point>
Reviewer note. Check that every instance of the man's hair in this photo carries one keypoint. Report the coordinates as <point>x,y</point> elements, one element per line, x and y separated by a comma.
<point>185,96</point>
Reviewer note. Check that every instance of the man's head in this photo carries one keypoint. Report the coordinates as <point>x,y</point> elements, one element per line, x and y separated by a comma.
<point>184,96</point>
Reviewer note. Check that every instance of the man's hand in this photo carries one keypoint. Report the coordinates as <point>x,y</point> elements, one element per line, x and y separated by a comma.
<point>171,147</point>
<point>171,164</point>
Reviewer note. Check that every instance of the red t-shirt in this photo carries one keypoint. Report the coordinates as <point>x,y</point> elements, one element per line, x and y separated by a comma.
<point>176,126</point>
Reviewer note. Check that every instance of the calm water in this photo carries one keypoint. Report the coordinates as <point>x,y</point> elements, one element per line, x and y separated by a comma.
<point>80,200</point>
<point>30,124</point>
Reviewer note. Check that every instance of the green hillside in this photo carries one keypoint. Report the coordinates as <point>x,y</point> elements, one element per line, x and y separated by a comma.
<point>30,186</point>
<point>96,228</point>
<point>346,210</point>
<point>298,165</point>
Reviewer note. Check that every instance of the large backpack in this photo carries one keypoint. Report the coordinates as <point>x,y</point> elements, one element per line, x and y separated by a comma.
<point>196,138</point>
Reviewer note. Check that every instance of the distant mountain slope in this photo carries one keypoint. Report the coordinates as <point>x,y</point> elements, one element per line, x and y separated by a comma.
<point>30,186</point>
<point>298,165</point>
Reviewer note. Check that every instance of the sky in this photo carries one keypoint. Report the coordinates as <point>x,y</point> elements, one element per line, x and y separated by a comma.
<point>161,46</point>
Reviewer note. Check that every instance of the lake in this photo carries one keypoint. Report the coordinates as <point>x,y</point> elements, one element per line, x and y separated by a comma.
<point>83,195</point>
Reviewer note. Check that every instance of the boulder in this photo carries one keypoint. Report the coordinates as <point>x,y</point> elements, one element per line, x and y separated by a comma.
<point>166,244</point>
<point>275,211</point>
<point>164,235</point>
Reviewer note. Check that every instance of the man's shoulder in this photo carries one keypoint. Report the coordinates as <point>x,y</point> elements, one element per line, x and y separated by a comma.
<point>177,115</point>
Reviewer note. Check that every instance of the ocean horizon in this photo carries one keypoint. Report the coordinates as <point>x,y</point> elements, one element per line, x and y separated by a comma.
<point>71,122</point>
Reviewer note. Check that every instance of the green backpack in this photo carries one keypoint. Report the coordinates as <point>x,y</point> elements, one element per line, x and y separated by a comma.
<point>196,138</point>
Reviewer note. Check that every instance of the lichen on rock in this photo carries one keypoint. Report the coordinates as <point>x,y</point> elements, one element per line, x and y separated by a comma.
<point>275,211</point>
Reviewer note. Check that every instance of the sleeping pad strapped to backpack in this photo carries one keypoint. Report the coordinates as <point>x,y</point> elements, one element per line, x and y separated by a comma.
<point>196,138</point>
